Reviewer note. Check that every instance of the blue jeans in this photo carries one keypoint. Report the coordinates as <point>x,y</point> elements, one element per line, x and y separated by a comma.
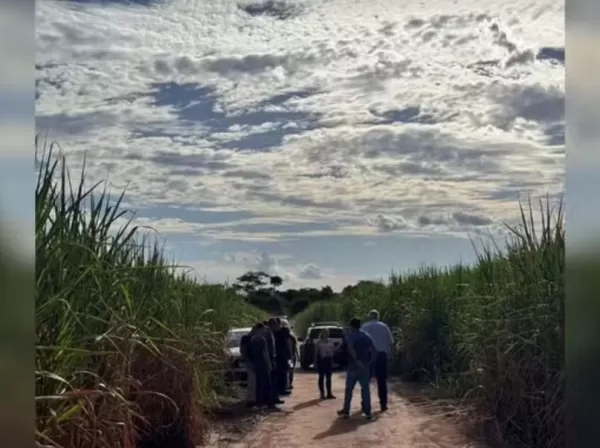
<point>362,376</point>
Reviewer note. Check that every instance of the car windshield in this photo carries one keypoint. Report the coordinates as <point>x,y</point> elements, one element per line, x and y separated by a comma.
<point>333,333</point>
<point>234,339</point>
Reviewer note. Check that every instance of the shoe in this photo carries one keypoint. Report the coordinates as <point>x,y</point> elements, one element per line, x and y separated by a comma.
<point>322,397</point>
<point>343,413</point>
<point>369,416</point>
<point>384,407</point>
<point>286,393</point>
<point>331,397</point>
<point>280,401</point>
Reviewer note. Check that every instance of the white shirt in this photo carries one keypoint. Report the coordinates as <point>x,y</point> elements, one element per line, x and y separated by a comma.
<point>381,335</point>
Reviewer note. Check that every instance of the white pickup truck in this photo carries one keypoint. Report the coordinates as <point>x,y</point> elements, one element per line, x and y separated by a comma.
<point>237,370</point>
<point>336,335</point>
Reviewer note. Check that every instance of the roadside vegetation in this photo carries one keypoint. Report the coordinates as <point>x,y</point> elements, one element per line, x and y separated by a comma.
<point>129,348</point>
<point>492,333</point>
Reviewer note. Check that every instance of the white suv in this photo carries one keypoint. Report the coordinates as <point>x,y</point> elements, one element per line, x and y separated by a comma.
<point>336,335</point>
<point>236,370</point>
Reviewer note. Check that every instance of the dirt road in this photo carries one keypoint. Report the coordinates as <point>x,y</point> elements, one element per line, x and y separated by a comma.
<point>305,421</point>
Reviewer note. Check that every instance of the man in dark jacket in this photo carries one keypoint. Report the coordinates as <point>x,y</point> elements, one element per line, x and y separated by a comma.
<point>246,352</point>
<point>274,329</point>
<point>270,332</point>
<point>270,339</point>
<point>282,363</point>
<point>294,360</point>
<point>261,362</point>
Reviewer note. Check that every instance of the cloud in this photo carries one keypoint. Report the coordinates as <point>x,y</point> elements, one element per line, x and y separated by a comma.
<point>387,224</point>
<point>277,9</point>
<point>310,271</point>
<point>315,120</point>
<point>293,273</point>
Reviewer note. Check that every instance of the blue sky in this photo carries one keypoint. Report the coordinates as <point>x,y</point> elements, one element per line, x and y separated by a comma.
<point>325,141</point>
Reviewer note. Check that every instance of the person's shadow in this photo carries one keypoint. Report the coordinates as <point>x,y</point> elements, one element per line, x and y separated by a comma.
<point>307,404</point>
<point>342,425</point>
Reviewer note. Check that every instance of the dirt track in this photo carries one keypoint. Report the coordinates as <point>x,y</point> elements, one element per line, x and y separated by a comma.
<point>305,421</point>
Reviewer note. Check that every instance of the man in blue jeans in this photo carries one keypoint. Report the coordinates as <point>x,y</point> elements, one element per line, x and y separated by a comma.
<point>361,354</point>
<point>384,341</point>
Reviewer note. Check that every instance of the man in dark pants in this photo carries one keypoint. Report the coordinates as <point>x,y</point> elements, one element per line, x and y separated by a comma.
<point>294,360</point>
<point>384,342</point>
<point>262,366</point>
<point>283,356</point>
<point>272,328</point>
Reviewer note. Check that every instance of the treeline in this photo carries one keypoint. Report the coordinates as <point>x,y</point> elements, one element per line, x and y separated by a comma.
<point>264,291</point>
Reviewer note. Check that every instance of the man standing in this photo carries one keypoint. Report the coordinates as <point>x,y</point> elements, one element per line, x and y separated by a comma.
<point>384,341</point>
<point>246,353</point>
<point>294,360</point>
<point>272,328</point>
<point>283,356</point>
<point>361,354</point>
<point>261,362</point>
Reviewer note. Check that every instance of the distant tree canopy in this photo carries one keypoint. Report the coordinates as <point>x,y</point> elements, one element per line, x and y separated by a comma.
<point>263,291</point>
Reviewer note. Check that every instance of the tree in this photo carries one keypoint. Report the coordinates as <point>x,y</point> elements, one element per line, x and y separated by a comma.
<point>260,290</point>
<point>251,282</point>
<point>276,281</point>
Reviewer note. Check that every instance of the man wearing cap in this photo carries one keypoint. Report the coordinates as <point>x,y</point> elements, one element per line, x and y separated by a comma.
<point>383,341</point>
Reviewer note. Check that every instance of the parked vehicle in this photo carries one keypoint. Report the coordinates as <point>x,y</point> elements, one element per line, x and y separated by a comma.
<point>236,371</point>
<point>307,350</point>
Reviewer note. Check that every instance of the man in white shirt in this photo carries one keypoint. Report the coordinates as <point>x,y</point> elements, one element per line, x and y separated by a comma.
<point>384,341</point>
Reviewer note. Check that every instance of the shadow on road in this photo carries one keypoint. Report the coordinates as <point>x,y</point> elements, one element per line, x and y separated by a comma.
<point>342,426</point>
<point>307,404</point>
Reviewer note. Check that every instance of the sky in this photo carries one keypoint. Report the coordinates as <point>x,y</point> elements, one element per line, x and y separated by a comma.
<point>326,141</point>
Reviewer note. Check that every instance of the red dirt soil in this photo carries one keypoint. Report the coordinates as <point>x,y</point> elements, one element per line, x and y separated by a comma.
<point>306,422</point>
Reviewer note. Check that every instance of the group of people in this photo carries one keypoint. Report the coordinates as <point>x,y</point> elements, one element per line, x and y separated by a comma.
<point>270,351</point>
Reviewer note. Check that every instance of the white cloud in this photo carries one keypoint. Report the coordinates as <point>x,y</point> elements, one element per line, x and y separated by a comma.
<point>310,271</point>
<point>320,118</point>
<point>294,275</point>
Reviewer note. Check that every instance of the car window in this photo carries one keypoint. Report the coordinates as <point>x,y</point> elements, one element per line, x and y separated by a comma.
<point>336,333</point>
<point>333,333</point>
<point>235,338</point>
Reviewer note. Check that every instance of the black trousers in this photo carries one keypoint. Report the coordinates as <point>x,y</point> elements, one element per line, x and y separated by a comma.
<point>274,390</point>
<point>263,385</point>
<point>380,372</point>
<point>325,369</point>
<point>281,373</point>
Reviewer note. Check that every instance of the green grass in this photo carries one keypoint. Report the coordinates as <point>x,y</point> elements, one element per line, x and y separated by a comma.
<point>127,347</point>
<point>492,332</point>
